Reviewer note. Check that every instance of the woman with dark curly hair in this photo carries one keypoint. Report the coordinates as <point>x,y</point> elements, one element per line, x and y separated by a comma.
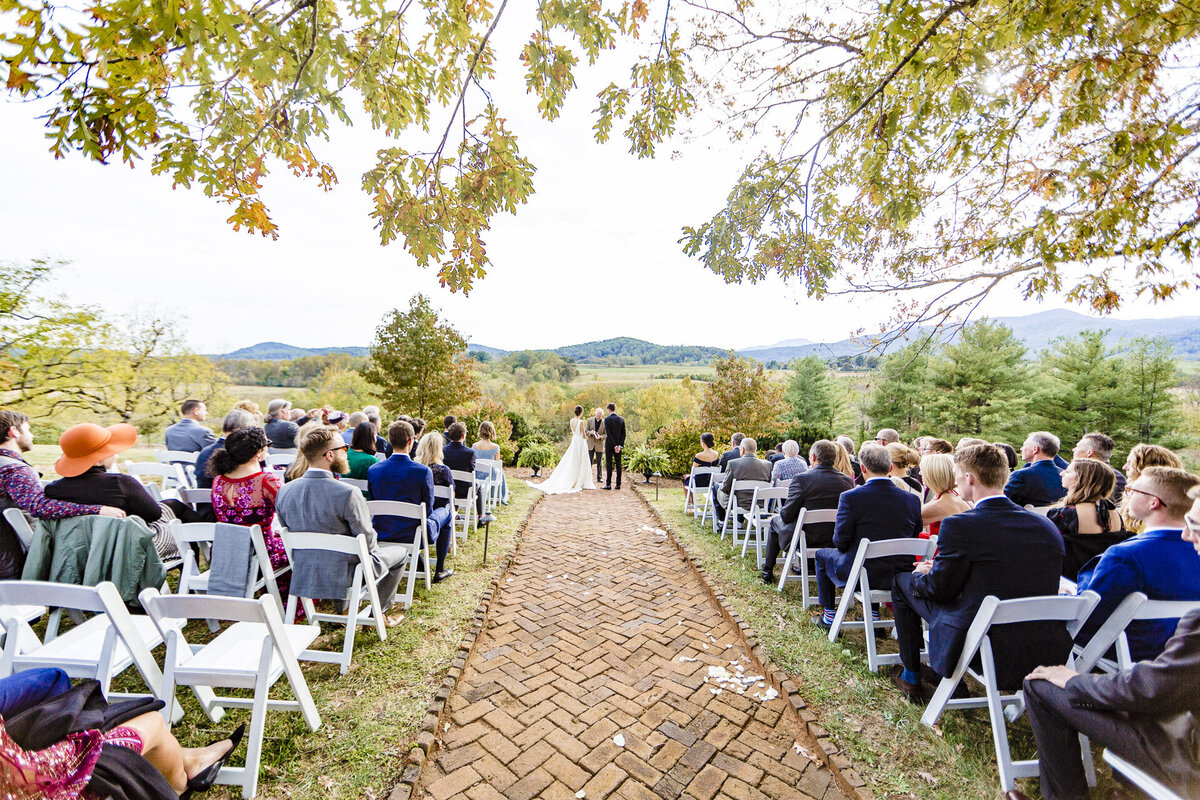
<point>243,494</point>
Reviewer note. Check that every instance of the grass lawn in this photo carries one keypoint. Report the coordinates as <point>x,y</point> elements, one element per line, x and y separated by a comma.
<point>371,715</point>
<point>881,733</point>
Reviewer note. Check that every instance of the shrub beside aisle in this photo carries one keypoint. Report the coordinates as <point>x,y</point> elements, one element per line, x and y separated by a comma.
<point>866,717</point>
<point>370,716</point>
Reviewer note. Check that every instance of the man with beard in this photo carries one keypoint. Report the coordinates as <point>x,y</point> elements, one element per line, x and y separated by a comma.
<point>317,502</point>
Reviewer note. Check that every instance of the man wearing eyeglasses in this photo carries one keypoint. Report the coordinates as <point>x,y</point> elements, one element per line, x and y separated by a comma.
<point>1157,561</point>
<point>1148,715</point>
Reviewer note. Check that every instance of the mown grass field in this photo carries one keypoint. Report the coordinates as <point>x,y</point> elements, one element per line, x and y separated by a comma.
<point>876,728</point>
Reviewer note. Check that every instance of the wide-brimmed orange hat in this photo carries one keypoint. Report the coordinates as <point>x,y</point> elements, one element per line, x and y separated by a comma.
<point>85,444</point>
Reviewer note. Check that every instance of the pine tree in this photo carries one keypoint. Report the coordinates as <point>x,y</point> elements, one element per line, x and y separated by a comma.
<point>1080,389</point>
<point>980,382</point>
<point>901,389</point>
<point>815,397</point>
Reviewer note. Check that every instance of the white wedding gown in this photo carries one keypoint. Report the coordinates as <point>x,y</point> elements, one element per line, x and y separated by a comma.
<point>574,471</point>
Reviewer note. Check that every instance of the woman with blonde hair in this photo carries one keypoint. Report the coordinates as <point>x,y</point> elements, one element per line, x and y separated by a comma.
<point>841,460</point>
<point>904,458</point>
<point>1087,516</point>
<point>937,471</point>
<point>487,448</point>
<point>1141,457</point>
<point>440,519</point>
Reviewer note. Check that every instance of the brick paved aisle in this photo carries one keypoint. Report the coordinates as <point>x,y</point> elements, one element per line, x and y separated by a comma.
<point>584,644</point>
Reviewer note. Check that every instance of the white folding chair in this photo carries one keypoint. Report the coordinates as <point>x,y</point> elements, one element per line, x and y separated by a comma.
<point>14,615</point>
<point>464,507</point>
<point>357,483</point>
<point>764,504</point>
<point>280,461</point>
<point>1143,780</point>
<point>858,589</point>
<point>490,486</point>
<point>707,509</point>
<point>20,525</point>
<point>447,494</point>
<point>418,549</point>
<point>185,459</point>
<point>172,476</point>
<point>734,512</point>
<point>283,451</point>
<point>799,554</point>
<point>690,490</point>
<point>101,647</point>
<point>192,580</point>
<point>1072,611</point>
<point>1135,607</point>
<point>301,545</point>
<point>196,497</point>
<point>250,654</point>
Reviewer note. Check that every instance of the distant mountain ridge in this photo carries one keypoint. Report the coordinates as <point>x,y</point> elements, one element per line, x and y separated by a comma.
<point>1035,330</point>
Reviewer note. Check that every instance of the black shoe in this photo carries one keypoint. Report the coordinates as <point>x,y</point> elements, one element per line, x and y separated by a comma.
<point>609,488</point>
<point>768,578</point>
<point>820,622</point>
<point>913,692</point>
<point>441,575</point>
<point>205,778</point>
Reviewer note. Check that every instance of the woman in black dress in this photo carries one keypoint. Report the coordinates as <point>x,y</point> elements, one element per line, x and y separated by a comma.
<point>707,457</point>
<point>1087,517</point>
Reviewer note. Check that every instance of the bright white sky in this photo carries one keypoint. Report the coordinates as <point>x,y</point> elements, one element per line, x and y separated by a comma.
<point>592,256</point>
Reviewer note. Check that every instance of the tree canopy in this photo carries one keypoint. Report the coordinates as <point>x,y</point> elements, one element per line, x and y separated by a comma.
<point>218,93</point>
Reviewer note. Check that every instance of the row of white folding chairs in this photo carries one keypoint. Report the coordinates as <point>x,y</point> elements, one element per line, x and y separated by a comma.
<point>465,517</point>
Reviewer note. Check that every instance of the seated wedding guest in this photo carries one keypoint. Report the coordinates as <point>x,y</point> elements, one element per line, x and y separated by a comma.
<point>317,502</point>
<point>1087,517</point>
<point>886,436</point>
<point>244,494</point>
<point>1148,715</point>
<point>937,471</point>
<point>300,465</point>
<point>747,468</point>
<point>877,510</point>
<point>338,419</point>
<point>776,455</point>
<point>996,548</point>
<point>1039,484</point>
<point>931,445</point>
<point>252,408</point>
<point>733,452</point>
<point>790,465</point>
<point>234,420</point>
<point>487,449</point>
<point>381,444</point>
<point>280,429</point>
<point>404,480</point>
<point>818,488</point>
<point>301,418</point>
<point>855,468</point>
<point>1009,453</point>
<point>20,488</point>
<point>904,458</point>
<point>361,455</point>
<point>188,435</point>
<point>418,426</point>
<point>846,464</point>
<point>88,453</point>
<point>707,457</point>
<point>352,422</point>
<point>968,441</point>
<point>441,518</point>
<point>457,456</point>
<point>447,421</point>
<point>1100,447</point>
<point>1157,562</point>
<point>60,742</point>
<point>1141,457</point>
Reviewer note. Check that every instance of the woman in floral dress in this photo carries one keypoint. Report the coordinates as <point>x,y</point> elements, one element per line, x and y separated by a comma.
<point>244,494</point>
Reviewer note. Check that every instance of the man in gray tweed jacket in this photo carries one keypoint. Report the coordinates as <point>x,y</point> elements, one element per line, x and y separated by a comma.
<point>318,502</point>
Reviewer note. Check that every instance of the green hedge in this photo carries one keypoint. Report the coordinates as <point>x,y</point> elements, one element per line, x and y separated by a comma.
<point>681,440</point>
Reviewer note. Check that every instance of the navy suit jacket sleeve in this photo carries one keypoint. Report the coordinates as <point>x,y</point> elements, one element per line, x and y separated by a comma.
<point>845,527</point>
<point>951,567</point>
<point>427,494</point>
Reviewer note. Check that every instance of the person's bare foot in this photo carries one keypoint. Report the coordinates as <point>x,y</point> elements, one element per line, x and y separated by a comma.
<point>196,759</point>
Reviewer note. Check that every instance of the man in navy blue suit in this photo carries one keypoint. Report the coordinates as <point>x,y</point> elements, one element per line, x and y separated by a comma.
<point>877,510</point>
<point>402,479</point>
<point>997,548</point>
<point>460,458</point>
<point>1040,483</point>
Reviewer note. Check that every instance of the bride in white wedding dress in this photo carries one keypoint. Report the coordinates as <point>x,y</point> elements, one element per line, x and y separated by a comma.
<point>574,471</point>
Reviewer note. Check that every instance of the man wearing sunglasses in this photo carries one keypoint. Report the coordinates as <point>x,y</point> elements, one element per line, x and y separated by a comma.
<point>1148,715</point>
<point>1157,561</point>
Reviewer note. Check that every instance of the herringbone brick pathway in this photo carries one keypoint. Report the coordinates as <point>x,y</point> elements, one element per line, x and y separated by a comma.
<point>600,631</point>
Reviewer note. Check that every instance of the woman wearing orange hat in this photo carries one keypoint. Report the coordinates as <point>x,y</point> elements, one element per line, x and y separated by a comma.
<point>88,453</point>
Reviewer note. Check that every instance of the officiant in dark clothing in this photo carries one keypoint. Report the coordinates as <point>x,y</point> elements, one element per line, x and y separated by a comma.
<point>614,443</point>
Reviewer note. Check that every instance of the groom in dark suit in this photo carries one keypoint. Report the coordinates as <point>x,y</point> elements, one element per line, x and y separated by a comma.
<point>614,442</point>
